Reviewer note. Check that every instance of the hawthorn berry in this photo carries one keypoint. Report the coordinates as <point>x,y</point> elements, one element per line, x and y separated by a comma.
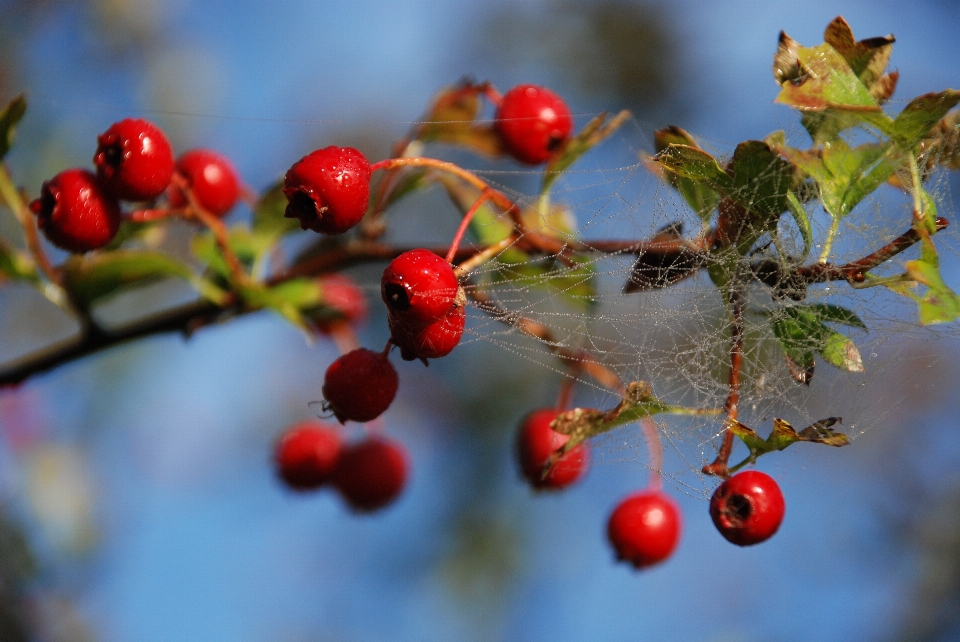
<point>360,385</point>
<point>419,287</point>
<point>644,528</point>
<point>75,212</point>
<point>343,303</point>
<point>212,179</point>
<point>533,122</point>
<point>371,473</point>
<point>747,508</point>
<point>537,441</point>
<point>430,341</point>
<point>134,160</point>
<point>328,190</point>
<point>307,455</point>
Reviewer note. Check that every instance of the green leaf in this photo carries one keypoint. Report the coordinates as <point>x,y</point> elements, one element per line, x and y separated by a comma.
<point>16,265</point>
<point>247,246</point>
<point>803,222</point>
<point>695,164</point>
<point>268,215</point>
<point>826,81</point>
<point>939,304</point>
<point>867,58</point>
<point>783,435</point>
<point>839,351</point>
<point>699,196</point>
<point>96,276</point>
<point>801,333</point>
<point>921,115</point>
<point>589,137</point>
<point>836,314</point>
<point>637,403</point>
<point>9,117</point>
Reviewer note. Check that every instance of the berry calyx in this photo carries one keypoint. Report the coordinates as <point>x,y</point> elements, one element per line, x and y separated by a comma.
<point>343,303</point>
<point>212,179</point>
<point>307,455</point>
<point>134,160</point>
<point>360,385</point>
<point>328,190</point>
<point>747,508</point>
<point>430,341</point>
<point>537,441</point>
<point>533,122</point>
<point>419,287</point>
<point>371,473</point>
<point>75,212</point>
<point>644,528</point>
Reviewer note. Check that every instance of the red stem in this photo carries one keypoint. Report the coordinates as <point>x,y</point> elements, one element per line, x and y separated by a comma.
<point>655,450</point>
<point>465,223</point>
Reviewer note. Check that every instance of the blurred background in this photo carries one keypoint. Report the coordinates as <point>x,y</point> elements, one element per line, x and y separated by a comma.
<point>137,497</point>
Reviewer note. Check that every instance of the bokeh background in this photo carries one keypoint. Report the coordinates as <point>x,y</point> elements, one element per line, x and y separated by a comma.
<point>137,499</point>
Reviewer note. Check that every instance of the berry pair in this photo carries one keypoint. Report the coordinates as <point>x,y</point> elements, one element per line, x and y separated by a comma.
<point>425,305</point>
<point>369,474</point>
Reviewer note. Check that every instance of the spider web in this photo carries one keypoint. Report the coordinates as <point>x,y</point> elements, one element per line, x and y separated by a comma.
<point>677,338</point>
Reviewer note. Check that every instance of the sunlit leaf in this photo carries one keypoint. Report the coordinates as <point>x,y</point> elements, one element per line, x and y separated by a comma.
<point>826,81</point>
<point>783,435</point>
<point>589,137</point>
<point>246,245</point>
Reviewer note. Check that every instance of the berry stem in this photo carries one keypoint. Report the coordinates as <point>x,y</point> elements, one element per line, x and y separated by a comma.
<point>465,223</point>
<point>18,205</point>
<point>736,302</point>
<point>150,215</point>
<point>220,232</point>
<point>655,449</point>
<point>481,257</point>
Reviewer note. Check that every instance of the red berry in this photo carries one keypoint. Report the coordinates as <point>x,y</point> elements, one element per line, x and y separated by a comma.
<point>537,441</point>
<point>343,303</point>
<point>75,212</point>
<point>134,160</point>
<point>747,508</point>
<point>645,528</point>
<point>533,122</point>
<point>328,189</point>
<point>360,385</point>
<point>212,179</point>
<point>430,341</point>
<point>371,474</point>
<point>307,455</point>
<point>419,287</point>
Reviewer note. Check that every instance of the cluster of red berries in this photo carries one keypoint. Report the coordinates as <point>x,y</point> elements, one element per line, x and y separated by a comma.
<point>79,211</point>
<point>369,474</point>
<point>644,529</point>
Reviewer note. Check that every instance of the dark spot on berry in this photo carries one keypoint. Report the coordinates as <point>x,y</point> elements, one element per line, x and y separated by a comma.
<point>303,207</point>
<point>112,155</point>
<point>396,297</point>
<point>555,142</point>
<point>738,509</point>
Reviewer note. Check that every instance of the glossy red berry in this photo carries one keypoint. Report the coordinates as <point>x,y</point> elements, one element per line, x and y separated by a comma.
<point>419,287</point>
<point>533,123</point>
<point>645,528</point>
<point>430,341</point>
<point>371,473</point>
<point>328,190</point>
<point>360,385</point>
<point>75,212</point>
<point>747,508</point>
<point>307,455</point>
<point>343,303</point>
<point>212,179</point>
<point>537,441</point>
<point>134,160</point>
